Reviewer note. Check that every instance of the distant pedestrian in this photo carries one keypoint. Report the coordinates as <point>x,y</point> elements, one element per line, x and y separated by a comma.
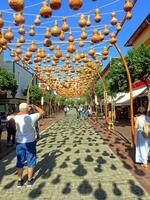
<point>26,141</point>
<point>1,129</point>
<point>11,129</point>
<point>65,110</point>
<point>142,143</point>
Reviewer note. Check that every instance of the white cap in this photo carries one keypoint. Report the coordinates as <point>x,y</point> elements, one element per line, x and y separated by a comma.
<point>23,107</point>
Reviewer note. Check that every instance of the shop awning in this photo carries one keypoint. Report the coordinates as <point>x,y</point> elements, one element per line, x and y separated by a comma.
<point>125,100</point>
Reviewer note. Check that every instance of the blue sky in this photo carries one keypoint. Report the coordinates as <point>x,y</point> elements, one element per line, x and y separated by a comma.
<point>140,11</point>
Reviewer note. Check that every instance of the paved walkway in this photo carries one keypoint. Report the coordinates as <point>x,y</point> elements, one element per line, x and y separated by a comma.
<point>74,163</point>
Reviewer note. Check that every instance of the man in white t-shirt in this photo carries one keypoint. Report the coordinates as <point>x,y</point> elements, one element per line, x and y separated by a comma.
<point>26,140</point>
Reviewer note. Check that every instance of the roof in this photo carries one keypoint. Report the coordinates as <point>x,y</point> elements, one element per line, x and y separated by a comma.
<point>138,31</point>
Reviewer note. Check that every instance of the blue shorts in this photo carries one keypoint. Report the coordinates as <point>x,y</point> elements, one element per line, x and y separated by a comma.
<point>26,151</point>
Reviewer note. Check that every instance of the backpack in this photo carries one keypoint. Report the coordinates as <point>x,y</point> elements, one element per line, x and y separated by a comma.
<point>11,123</point>
<point>146,129</point>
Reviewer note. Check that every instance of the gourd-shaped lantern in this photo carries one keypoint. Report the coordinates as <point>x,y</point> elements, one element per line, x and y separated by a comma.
<point>67,55</point>
<point>58,53</point>
<point>47,42</point>
<point>88,23</point>
<point>55,31</point>
<point>18,44</point>
<point>81,42</point>
<point>128,6</point>
<point>82,21</point>
<point>55,4</point>
<point>97,15</point>
<point>82,55</point>
<point>12,53</point>
<point>21,30</point>
<point>104,57</point>
<point>45,11</point>
<point>62,36</point>
<point>105,51</point>
<point>70,39</point>
<point>9,34</point>
<point>83,35</point>
<point>1,20</point>
<point>16,58</point>
<point>118,26</point>
<point>113,38</point>
<point>19,18</point>
<point>106,30</point>
<point>71,48</point>
<point>101,36</point>
<point>17,5</point>
<point>51,47</point>
<point>28,53</point>
<point>31,31</point>
<point>72,70</point>
<point>3,41</point>
<point>91,51</point>
<point>18,50</point>
<point>48,33</point>
<point>48,58</point>
<point>113,19</point>
<point>37,21</point>
<point>33,47</point>
<point>77,56</point>
<point>75,4</point>
<point>41,53</point>
<point>95,37</point>
<point>128,15</point>
<point>85,60</point>
<point>63,58</point>
<point>65,26</point>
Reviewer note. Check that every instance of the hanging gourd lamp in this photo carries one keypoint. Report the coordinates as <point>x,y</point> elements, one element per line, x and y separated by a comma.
<point>19,18</point>
<point>77,56</point>
<point>81,42</point>
<point>16,58</point>
<point>128,15</point>
<point>21,30</point>
<point>106,30</point>
<point>85,60</point>
<point>28,53</point>
<point>72,70</point>
<point>82,21</point>
<point>55,4</point>
<point>33,47</point>
<point>37,21</point>
<point>30,62</point>
<point>51,47</point>
<point>128,6</point>
<point>9,34</point>
<point>75,4</point>
<point>83,35</point>
<point>31,31</point>
<point>1,20</point>
<point>17,5</point>
<point>63,58</point>
<point>88,23</point>
<point>91,51</point>
<point>56,31</point>
<point>118,26</point>
<point>104,57</point>
<point>62,36</point>
<point>105,51</point>
<point>45,11</point>
<point>67,55</point>
<point>58,53</point>
<point>95,37</point>
<point>97,15</point>
<point>71,48</point>
<point>3,41</point>
<point>113,19</point>
<point>113,38</point>
<point>48,33</point>
<point>42,53</point>
<point>47,43</point>
<point>70,39</point>
<point>18,50</point>
<point>48,58</point>
<point>12,53</point>
<point>82,55</point>
<point>65,26</point>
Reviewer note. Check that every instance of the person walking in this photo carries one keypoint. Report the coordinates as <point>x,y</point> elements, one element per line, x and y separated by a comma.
<point>65,110</point>
<point>26,141</point>
<point>142,143</point>
<point>11,129</point>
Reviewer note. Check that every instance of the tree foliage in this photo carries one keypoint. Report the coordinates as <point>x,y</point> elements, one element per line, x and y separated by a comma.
<point>35,93</point>
<point>139,66</point>
<point>7,81</point>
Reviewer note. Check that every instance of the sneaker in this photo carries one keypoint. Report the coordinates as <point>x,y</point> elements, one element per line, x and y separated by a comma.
<point>20,184</point>
<point>30,183</point>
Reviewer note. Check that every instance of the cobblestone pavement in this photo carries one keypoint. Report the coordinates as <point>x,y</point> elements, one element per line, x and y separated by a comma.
<point>74,163</point>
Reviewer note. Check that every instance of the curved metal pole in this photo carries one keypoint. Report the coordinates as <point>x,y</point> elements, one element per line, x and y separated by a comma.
<point>131,96</point>
<point>28,91</point>
<point>105,93</point>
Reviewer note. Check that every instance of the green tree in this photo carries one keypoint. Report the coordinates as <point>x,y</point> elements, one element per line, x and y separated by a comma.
<point>8,82</point>
<point>35,93</point>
